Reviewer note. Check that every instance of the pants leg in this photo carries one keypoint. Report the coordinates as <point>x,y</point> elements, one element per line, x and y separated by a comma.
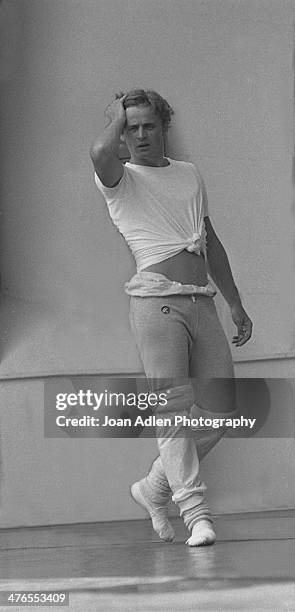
<point>156,477</point>
<point>212,376</point>
<point>163,328</point>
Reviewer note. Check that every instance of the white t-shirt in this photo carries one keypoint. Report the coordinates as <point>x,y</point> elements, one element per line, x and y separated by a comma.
<point>159,210</point>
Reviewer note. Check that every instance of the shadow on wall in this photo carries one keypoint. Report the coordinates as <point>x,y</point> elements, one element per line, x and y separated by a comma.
<point>254,401</point>
<point>271,403</point>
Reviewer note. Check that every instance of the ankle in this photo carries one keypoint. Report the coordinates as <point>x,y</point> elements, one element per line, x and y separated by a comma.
<point>159,495</point>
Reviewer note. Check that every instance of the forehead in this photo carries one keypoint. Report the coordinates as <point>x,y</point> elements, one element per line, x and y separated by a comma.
<point>141,114</point>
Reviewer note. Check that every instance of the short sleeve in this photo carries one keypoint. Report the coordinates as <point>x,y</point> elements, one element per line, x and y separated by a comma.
<point>205,198</point>
<point>203,189</point>
<point>118,191</point>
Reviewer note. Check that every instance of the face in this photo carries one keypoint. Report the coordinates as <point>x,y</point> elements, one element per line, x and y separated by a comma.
<point>143,135</point>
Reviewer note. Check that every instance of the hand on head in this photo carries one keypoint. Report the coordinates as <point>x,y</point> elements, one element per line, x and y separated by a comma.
<point>115,111</point>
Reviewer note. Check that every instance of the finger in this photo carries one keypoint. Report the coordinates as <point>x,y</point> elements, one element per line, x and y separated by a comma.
<point>244,331</point>
<point>243,338</point>
<point>242,342</point>
<point>120,97</point>
<point>240,330</point>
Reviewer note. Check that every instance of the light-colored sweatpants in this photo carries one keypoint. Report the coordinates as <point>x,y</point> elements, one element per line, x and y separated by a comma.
<point>185,353</point>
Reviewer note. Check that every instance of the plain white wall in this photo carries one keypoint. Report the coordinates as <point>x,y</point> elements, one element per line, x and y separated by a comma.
<point>226,67</point>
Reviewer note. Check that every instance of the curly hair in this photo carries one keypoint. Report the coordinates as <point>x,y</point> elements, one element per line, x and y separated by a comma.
<point>162,108</point>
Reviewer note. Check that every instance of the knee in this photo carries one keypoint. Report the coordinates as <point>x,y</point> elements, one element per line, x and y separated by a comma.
<point>178,398</point>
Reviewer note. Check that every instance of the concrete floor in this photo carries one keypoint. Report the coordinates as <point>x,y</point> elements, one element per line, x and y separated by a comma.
<point>123,566</point>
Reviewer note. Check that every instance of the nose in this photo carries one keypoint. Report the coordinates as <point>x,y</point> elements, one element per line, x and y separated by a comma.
<point>141,134</point>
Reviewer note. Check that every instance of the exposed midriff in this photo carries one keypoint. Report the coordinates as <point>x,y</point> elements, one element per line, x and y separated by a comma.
<point>185,268</point>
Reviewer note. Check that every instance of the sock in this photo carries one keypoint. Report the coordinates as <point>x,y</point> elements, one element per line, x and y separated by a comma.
<point>143,495</point>
<point>202,534</point>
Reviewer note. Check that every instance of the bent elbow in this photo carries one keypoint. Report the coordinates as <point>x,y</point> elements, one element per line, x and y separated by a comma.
<point>96,152</point>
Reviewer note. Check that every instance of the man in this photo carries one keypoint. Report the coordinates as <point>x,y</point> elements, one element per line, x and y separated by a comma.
<point>160,207</point>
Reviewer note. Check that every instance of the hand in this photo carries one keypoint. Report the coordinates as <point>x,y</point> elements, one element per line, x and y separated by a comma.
<point>115,112</point>
<point>243,323</point>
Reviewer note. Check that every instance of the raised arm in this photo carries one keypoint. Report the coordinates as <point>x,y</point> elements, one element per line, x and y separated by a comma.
<point>104,150</point>
<point>220,271</point>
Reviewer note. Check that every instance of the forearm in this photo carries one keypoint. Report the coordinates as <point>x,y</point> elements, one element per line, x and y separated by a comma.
<point>220,272</point>
<point>107,143</point>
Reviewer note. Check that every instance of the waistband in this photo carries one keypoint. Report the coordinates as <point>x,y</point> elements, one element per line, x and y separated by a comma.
<point>148,284</point>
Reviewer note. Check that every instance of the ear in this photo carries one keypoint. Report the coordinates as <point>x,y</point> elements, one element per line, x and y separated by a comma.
<point>122,137</point>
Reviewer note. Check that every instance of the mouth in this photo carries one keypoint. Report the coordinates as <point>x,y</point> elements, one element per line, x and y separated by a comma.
<point>143,146</point>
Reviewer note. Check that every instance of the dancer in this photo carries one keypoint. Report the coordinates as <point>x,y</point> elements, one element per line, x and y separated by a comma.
<point>160,206</point>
